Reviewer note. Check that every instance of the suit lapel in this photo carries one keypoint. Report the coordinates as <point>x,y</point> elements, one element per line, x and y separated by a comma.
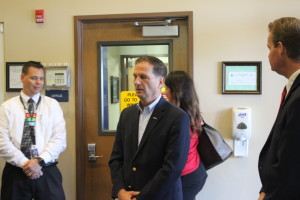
<point>295,85</point>
<point>154,119</point>
<point>135,125</point>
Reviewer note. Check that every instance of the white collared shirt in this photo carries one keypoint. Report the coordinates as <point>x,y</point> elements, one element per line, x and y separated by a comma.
<point>145,115</point>
<point>50,130</point>
<point>291,81</point>
<point>25,99</point>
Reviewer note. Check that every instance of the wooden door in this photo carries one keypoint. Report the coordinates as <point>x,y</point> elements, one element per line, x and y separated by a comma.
<point>93,178</point>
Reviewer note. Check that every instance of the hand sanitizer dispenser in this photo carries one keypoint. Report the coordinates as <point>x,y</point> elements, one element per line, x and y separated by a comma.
<point>241,130</point>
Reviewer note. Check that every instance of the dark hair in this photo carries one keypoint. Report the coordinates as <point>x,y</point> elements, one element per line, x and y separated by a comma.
<point>31,64</point>
<point>287,31</point>
<point>159,68</point>
<point>185,96</point>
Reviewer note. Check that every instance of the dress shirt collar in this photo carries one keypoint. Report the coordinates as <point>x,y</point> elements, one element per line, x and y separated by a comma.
<point>35,97</point>
<point>149,107</point>
<point>291,80</point>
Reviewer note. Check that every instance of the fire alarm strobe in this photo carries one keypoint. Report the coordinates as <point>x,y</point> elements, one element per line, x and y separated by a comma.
<point>39,16</point>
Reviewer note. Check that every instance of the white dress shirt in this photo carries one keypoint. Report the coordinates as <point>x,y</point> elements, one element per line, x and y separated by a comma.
<point>291,81</point>
<point>50,130</point>
<point>145,115</point>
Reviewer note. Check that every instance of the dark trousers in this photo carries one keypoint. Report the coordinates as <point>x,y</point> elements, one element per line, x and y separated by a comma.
<point>17,186</point>
<point>193,182</point>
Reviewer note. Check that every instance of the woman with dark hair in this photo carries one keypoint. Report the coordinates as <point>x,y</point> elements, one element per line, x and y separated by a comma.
<point>180,91</point>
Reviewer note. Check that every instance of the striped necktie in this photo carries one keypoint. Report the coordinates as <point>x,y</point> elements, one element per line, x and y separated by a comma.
<point>28,131</point>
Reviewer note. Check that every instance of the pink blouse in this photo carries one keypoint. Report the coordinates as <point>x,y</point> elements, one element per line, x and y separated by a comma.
<point>193,160</point>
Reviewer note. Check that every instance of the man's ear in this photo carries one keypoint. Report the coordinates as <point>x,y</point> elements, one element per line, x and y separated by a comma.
<point>281,48</point>
<point>161,82</point>
<point>22,77</point>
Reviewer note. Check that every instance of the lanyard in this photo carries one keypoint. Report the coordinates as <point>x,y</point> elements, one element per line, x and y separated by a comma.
<point>37,105</point>
<point>31,119</point>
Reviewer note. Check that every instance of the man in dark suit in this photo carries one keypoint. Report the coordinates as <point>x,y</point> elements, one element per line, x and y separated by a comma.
<point>152,140</point>
<point>279,160</point>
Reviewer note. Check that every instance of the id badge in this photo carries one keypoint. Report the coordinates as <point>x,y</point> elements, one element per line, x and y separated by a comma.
<point>34,152</point>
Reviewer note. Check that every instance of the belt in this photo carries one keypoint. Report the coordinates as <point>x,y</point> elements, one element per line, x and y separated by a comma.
<point>49,164</point>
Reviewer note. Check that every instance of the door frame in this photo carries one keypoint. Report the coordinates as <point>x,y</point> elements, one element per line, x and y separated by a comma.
<point>79,22</point>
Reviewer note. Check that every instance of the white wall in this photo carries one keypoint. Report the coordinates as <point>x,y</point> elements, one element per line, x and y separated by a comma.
<point>236,31</point>
<point>231,30</point>
<point>2,72</point>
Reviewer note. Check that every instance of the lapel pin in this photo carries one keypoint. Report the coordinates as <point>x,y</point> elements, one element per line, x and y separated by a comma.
<point>154,117</point>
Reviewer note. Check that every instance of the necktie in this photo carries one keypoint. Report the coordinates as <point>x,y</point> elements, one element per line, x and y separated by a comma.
<point>283,94</point>
<point>28,130</point>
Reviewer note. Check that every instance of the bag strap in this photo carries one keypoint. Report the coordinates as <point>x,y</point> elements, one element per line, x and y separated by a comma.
<point>203,121</point>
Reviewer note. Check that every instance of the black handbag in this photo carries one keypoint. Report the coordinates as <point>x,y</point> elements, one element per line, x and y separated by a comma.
<point>212,148</point>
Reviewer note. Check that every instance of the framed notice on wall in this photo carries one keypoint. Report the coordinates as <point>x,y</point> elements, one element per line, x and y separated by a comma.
<point>241,77</point>
<point>13,76</point>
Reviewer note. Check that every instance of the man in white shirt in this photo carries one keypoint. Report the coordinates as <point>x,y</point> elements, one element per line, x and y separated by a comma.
<point>279,160</point>
<point>30,171</point>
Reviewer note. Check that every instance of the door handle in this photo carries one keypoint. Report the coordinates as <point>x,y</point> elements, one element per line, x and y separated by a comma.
<point>92,152</point>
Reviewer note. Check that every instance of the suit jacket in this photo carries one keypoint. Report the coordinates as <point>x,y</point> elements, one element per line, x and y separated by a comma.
<point>279,160</point>
<point>154,166</point>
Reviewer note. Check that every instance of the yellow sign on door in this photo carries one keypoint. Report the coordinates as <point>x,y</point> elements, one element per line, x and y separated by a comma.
<point>128,98</point>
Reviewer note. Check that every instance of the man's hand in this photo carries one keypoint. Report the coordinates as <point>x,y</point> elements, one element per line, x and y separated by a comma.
<point>127,195</point>
<point>133,194</point>
<point>32,169</point>
<point>262,196</point>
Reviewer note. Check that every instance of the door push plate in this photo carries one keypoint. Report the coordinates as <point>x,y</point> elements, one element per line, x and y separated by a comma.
<point>92,152</point>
